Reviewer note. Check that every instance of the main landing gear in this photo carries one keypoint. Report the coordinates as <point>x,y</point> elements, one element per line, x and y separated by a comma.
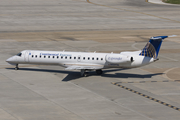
<point>99,72</point>
<point>85,74</point>
<point>16,68</point>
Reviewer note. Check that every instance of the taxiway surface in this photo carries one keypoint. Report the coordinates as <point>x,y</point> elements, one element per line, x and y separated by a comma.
<point>49,92</point>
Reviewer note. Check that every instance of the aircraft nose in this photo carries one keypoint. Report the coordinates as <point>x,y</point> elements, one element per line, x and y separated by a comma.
<point>11,60</point>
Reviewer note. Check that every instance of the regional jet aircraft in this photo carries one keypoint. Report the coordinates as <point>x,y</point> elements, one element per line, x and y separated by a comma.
<point>86,61</point>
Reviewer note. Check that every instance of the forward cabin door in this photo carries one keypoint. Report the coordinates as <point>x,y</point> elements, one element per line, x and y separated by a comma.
<point>26,56</point>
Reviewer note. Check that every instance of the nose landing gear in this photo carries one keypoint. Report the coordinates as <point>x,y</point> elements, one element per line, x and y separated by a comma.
<point>16,68</point>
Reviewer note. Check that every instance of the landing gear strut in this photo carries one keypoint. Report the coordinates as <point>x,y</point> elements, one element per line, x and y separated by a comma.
<point>84,73</point>
<point>16,68</point>
<point>99,72</point>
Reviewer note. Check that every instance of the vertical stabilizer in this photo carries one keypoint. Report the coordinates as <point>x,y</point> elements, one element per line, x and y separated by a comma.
<point>152,47</point>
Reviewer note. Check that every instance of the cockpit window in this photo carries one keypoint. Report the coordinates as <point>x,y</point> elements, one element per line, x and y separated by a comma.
<point>19,54</point>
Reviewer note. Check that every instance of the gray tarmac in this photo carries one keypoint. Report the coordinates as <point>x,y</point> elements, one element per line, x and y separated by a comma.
<point>37,92</point>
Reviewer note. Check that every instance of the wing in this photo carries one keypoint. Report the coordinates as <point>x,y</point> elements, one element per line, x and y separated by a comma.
<point>84,67</point>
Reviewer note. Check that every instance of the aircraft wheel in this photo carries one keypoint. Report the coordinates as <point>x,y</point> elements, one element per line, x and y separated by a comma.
<point>16,68</point>
<point>99,72</point>
<point>86,74</point>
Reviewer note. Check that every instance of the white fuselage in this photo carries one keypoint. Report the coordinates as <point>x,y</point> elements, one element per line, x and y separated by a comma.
<point>87,61</point>
<point>81,59</point>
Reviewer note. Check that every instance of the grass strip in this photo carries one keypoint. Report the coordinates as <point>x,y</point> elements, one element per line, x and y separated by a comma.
<point>172,1</point>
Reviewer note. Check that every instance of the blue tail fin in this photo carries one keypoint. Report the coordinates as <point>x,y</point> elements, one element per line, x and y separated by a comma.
<point>152,47</point>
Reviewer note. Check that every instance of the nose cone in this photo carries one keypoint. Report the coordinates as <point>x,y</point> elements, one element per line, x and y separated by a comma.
<point>11,60</point>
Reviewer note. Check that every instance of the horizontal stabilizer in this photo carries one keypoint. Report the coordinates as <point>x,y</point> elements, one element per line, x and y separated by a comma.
<point>172,36</point>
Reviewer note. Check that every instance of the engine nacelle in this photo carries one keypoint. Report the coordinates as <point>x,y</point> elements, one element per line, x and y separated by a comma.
<point>117,58</point>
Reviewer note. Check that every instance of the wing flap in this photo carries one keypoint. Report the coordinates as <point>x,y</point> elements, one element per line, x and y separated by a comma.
<point>83,67</point>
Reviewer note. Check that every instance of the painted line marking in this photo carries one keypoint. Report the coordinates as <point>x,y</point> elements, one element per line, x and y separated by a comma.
<point>141,94</point>
<point>151,81</point>
<point>134,12</point>
<point>171,59</point>
<point>165,73</point>
<point>133,46</point>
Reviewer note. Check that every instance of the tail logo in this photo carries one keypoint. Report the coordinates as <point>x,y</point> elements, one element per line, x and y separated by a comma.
<point>149,51</point>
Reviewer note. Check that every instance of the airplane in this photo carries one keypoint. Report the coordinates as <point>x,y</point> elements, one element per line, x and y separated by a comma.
<point>91,61</point>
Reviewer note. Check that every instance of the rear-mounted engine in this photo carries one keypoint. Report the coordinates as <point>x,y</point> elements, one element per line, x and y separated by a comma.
<point>117,58</point>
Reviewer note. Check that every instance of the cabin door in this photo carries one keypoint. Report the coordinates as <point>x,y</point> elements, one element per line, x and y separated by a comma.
<point>26,56</point>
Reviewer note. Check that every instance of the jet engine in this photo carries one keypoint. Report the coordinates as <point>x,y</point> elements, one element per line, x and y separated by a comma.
<point>117,58</point>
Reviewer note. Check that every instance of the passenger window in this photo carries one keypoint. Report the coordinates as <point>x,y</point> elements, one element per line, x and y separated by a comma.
<point>61,57</point>
<point>36,56</point>
<point>32,56</point>
<point>97,59</point>
<point>79,57</point>
<point>19,54</point>
<point>83,58</point>
<point>74,57</point>
<point>65,57</point>
<point>92,58</point>
<point>40,56</point>
<point>53,56</point>
<point>88,58</point>
<point>101,58</point>
<point>69,57</point>
<point>48,56</point>
<point>57,57</point>
<point>44,56</point>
